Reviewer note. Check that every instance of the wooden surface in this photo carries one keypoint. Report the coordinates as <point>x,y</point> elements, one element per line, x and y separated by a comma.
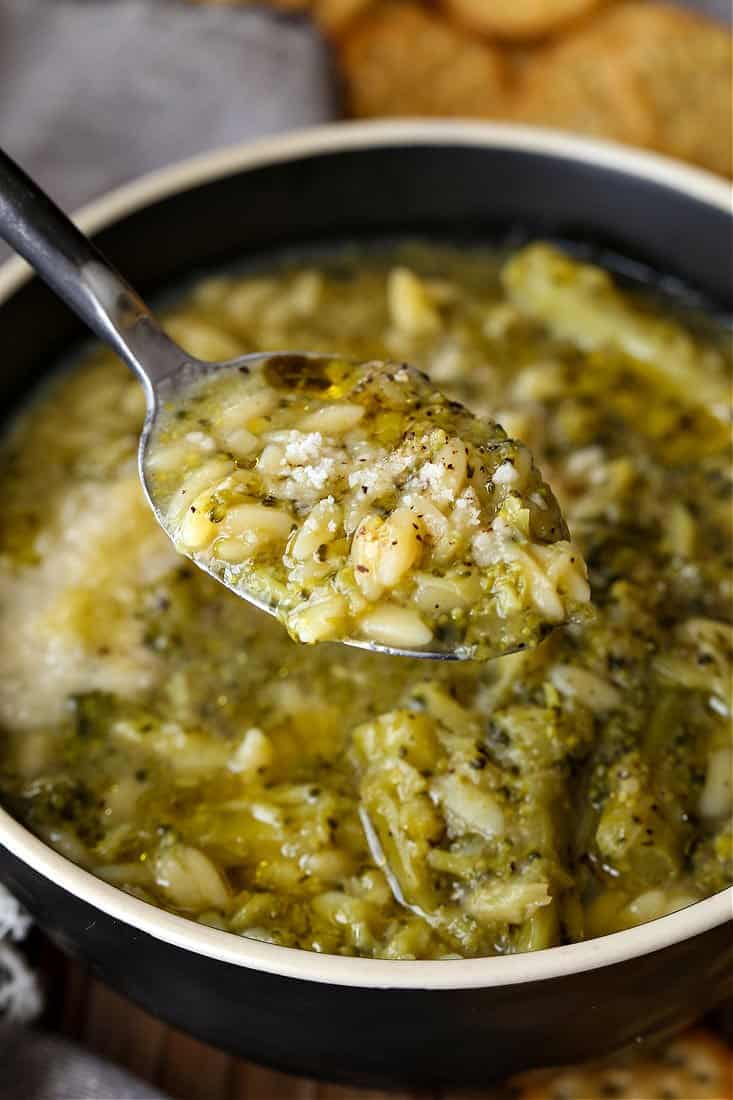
<point>90,1013</point>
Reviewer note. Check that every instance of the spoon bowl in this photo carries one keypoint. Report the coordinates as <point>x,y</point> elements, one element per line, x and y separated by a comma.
<point>361,505</point>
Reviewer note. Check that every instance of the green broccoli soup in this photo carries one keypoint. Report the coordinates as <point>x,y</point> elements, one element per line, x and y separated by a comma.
<point>358,502</point>
<point>167,736</point>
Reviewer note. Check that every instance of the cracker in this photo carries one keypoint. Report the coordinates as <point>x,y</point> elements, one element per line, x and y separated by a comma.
<point>642,73</point>
<point>517,19</point>
<point>694,1066</point>
<point>684,64</point>
<point>403,60</point>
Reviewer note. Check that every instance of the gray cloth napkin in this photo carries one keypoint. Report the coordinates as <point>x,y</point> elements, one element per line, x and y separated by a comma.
<point>94,93</point>
<point>38,1067</point>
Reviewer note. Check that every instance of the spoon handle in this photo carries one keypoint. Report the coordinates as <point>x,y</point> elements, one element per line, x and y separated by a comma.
<point>32,224</point>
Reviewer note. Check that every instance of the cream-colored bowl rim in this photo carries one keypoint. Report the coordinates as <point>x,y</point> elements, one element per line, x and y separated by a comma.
<point>290,962</point>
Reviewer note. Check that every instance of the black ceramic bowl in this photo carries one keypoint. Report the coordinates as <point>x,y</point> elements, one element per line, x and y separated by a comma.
<point>367,1021</point>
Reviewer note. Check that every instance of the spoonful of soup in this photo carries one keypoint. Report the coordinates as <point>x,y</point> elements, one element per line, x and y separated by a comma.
<point>352,501</point>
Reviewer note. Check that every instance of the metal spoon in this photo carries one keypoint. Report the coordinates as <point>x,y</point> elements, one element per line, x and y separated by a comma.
<point>78,273</point>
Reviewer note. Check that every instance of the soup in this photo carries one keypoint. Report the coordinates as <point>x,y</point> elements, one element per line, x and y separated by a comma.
<point>176,742</point>
<point>356,501</point>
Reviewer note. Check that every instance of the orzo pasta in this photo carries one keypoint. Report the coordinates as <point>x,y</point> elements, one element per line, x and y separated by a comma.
<point>357,501</point>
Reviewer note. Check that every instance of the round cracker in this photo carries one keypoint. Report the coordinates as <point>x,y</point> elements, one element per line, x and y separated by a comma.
<point>517,19</point>
<point>642,73</point>
<point>402,60</point>
<point>684,63</point>
<point>694,1066</point>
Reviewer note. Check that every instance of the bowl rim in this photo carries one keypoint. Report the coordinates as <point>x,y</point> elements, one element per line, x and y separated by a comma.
<point>226,947</point>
